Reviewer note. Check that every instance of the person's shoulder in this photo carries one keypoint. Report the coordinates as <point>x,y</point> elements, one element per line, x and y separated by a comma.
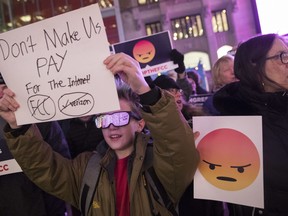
<point>228,89</point>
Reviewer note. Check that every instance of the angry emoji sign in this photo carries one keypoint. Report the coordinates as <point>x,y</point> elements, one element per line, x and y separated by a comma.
<point>229,159</point>
<point>144,51</point>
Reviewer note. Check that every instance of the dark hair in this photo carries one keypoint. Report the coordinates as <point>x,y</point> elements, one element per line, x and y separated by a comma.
<point>250,59</point>
<point>193,75</point>
<point>125,93</point>
<point>2,81</point>
<point>165,82</point>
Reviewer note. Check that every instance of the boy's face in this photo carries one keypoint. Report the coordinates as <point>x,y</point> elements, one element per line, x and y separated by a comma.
<point>121,139</point>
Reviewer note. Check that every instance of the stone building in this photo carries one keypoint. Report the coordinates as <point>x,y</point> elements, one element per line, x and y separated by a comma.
<point>201,29</point>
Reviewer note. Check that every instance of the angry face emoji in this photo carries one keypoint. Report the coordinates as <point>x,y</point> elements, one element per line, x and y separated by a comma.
<point>144,51</point>
<point>229,159</point>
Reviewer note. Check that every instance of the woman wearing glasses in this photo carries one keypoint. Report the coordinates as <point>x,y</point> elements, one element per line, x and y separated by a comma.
<point>261,65</point>
<point>123,187</point>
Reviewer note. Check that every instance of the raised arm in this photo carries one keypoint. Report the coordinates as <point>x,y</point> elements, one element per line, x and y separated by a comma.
<point>175,156</point>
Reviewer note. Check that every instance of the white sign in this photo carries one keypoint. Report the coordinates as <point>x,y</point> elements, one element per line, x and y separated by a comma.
<point>9,167</point>
<point>55,67</point>
<point>152,52</point>
<point>231,159</point>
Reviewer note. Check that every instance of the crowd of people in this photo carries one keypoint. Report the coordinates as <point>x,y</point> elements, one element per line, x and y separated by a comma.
<point>145,152</point>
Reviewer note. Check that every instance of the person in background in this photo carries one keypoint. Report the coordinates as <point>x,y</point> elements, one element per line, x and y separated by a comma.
<point>187,81</point>
<point>172,74</point>
<point>19,196</point>
<point>188,86</point>
<point>222,74</point>
<point>83,135</point>
<point>193,75</point>
<point>261,65</point>
<point>122,187</point>
<point>167,83</point>
<point>188,110</point>
<point>188,205</point>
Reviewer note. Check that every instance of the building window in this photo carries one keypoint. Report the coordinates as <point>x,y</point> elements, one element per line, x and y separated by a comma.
<point>152,28</point>
<point>146,2</point>
<point>106,3</point>
<point>23,12</point>
<point>220,21</point>
<point>187,27</point>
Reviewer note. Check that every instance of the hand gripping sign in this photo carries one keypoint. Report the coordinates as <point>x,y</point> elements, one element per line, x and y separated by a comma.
<point>55,67</point>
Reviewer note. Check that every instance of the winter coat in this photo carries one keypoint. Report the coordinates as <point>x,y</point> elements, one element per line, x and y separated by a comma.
<point>18,194</point>
<point>236,99</point>
<point>175,160</point>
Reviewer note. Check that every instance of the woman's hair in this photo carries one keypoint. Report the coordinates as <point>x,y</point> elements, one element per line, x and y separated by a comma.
<point>216,70</point>
<point>125,93</point>
<point>194,76</point>
<point>250,59</point>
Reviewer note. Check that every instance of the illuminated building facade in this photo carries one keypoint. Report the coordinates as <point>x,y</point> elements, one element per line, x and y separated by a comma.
<point>17,13</point>
<point>201,29</point>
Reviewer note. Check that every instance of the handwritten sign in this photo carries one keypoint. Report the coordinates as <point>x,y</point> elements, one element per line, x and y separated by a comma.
<point>55,67</point>
<point>152,52</point>
<point>231,159</point>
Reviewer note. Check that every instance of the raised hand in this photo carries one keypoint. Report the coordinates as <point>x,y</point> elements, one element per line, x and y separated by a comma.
<point>129,71</point>
<point>8,105</point>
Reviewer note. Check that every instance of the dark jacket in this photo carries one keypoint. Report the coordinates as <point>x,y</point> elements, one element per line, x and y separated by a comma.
<point>83,136</point>
<point>19,196</point>
<point>236,99</point>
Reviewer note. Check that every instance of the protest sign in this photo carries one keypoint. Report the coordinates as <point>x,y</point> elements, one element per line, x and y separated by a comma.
<point>231,159</point>
<point>8,164</point>
<point>55,67</point>
<point>198,100</point>
<point>152,52</point>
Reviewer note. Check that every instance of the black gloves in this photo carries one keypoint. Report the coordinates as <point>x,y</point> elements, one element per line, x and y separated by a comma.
<point>178,58</point>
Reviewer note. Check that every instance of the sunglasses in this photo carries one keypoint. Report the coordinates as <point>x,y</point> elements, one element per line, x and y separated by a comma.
<point>117,119</point>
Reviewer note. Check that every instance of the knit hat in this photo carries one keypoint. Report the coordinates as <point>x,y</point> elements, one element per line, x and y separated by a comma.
<point>1,79</point>
<point>165,82</point>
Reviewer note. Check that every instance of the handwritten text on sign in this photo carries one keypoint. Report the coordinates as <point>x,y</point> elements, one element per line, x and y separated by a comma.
<point>56,68</point>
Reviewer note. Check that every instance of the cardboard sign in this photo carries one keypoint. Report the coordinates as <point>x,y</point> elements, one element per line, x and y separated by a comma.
<point>8,164</point>
<point>198,100</point>
<point>9,167</point>
<point>55,67</point>
<point>231,159</point>
<point>152,52</point>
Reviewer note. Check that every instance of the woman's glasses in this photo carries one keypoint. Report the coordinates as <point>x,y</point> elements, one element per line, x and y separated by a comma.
<point>283,57</point>
<point>175,91</point>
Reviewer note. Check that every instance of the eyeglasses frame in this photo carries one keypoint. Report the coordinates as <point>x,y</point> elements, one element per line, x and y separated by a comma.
<point>175,91</point>
<point>280,55</point>
<point>130,114</point>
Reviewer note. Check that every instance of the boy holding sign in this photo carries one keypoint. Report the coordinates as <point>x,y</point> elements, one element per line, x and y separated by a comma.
<point>123,187</point>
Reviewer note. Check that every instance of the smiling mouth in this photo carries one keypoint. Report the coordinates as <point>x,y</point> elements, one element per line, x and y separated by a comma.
<point>224,178</point>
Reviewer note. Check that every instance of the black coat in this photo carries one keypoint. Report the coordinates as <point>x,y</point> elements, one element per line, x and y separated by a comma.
<point>21,197</point>
<point>83,136</point>
<point>236,99</point>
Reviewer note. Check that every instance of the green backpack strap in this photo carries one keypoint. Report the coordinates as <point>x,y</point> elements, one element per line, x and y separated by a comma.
<point>159,192</point>
<point>89,182</point>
